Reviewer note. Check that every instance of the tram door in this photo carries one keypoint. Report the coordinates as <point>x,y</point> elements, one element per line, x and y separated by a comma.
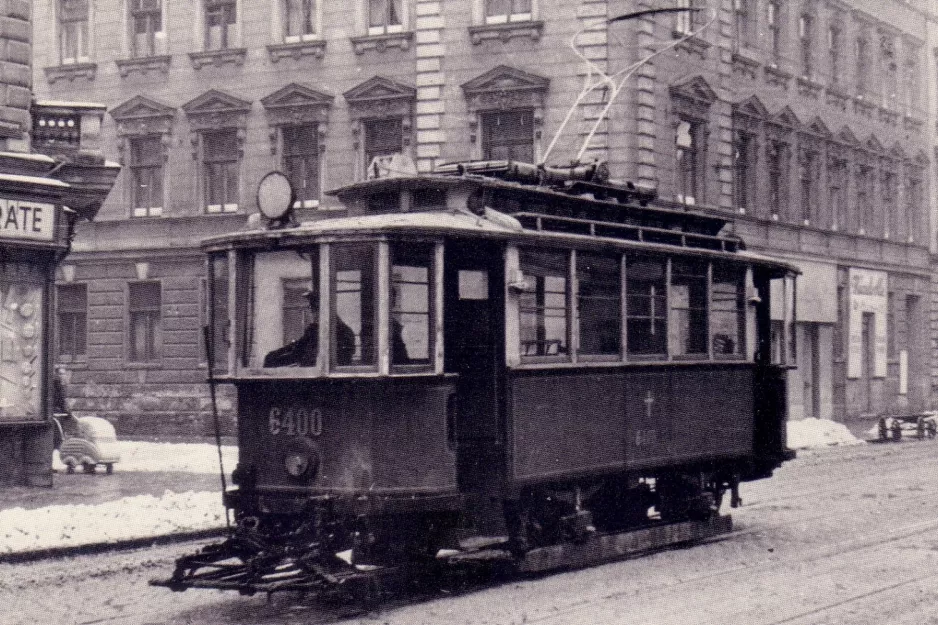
<point>473,346</point>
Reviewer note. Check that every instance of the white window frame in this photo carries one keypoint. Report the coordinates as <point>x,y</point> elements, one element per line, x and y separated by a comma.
<point>89,36</point>
<point>159,36</point>
<point>485,18</point>
<point>235,32</point>
<point>227,207</point>
<point>144,211</point>
<point>385,29</point>
<point>279,23</point>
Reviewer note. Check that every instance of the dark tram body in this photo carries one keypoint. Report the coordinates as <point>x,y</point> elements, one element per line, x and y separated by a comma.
<point>493,353</point>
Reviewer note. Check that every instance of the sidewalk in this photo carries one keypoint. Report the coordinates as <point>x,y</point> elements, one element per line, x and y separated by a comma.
<point>158,489</point>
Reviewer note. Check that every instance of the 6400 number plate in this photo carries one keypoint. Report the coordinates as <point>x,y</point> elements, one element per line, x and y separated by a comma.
<point>294,421</point>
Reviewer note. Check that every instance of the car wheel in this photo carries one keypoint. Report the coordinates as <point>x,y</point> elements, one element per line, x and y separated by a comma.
<point>109,468</point>
<point>88,467</point>
<point>70,468</point>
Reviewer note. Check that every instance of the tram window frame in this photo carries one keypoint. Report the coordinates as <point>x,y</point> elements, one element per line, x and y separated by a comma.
<point>689,338</point>
<point>334,318</point>
<point>720,271</point>
<point>612,350</point>
<point>408,251</point>
<point>657,324</point>
<point>532,286</point>
<point>263,340</point>
<point>219,311</point>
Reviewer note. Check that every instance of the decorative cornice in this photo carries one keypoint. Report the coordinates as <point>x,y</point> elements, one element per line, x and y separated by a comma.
<point>837,98</point>
<point>141,115</point>
<point>694,46</point>
<point>380,43</point>
<point>862,106</point>
<point>71,71</point>
<point>505,87</point>
<point>217,58</point>
<point>297,104</point>
<point>315,48</point>
<point>745,66</point>
<point>505,32</point>
<point>143,65</point>
<point>776,76</point>
<point>216,109</point>
<point>809,88</point>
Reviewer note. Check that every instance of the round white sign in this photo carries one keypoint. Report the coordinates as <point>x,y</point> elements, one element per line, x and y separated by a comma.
<point>274,195</point>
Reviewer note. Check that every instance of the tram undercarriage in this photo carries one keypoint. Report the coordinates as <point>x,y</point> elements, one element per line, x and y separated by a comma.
<point>367,558</point>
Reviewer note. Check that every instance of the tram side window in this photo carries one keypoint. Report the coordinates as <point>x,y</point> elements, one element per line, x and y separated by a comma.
<point>220,314</point>
<point>688,302</point>
<point>599,304</point>
<point>543,304</point>
<point>646,301</point>
<point>353,316</point>
<point>728,310</point>
<point>410,328</point>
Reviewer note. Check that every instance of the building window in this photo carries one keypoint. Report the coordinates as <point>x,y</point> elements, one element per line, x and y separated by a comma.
<point>687,301</point>
<point>301,163</point>
<point>689,167</point>
<point>774,22</point>
<point>743,169</point>
<point>683,21</point>
<point>146,25</point>
<point>221,17</point>
<point>833,52</point>
<point>599,304</point>
<point>913,196</point>
<point>646,306</point>
<point>220,166</point>
<point>383,137</point>
<point>864,198</point>
<point>385,16</point>
<point>543,304</point>
<point>912,81</point>
<point>145,317</point>
<point>299,20</point>
<point>890,72</point>
<point>354,318</point>
<point>411,327</point>
<point>863,65</point>
<point>777,163</point>
<point>807,176</point>
<point>742,16</point>
<point>508,135</point>
<point>73,31</point>
<point>146,176</point>
<point>503,11</point>
<point>72,307</point>
<point>837,192</point>
<point>806,35</point>
<point>891,218</point>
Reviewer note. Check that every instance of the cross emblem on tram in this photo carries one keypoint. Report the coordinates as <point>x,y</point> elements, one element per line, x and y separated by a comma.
<point>649,400</point>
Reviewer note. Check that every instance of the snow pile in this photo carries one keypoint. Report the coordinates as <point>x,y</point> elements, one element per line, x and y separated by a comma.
<point>184,457</point>
<point>808,433</point>
<point>141,516</point>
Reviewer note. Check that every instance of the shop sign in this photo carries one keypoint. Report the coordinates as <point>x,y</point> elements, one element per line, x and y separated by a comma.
<point>868,296</point>
<point>23,219</point>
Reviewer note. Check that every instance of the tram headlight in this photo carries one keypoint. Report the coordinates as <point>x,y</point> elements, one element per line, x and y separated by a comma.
<point>301,464</point>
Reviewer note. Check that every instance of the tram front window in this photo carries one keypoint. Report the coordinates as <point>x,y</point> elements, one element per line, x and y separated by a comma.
<point>354,314</point>
<point>411,267</point>
<point>543,304</point>
<point>285,309</point>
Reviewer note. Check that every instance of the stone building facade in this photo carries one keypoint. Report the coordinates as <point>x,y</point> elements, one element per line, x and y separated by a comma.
<point>809,122</point>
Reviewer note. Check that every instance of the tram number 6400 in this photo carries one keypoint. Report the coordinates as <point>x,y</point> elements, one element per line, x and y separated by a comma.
<point>295,422</point>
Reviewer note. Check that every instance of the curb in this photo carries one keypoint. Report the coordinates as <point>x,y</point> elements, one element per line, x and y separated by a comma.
<point>119,545</point>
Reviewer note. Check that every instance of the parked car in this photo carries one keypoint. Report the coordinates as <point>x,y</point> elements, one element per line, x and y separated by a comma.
<point>92,442</point>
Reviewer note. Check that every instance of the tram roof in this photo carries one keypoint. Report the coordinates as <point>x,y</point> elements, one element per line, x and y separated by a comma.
<point>490,224</point>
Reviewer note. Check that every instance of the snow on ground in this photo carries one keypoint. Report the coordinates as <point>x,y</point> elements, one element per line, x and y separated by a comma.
<point>184,457</point>
<point>144,515</point>
<point>808,433</point>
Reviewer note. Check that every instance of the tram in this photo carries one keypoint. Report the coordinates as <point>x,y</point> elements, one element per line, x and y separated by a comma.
<point>490,361</point>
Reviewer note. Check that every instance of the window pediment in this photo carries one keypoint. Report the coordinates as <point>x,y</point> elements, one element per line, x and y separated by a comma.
<point>295,104</point>
<point>696,90</point>
<point>819,128</point>
<point>898,153</point>
<point>845,135</point>
<point>921,157</point>
<point>141,115</point>
<point>874,144</point>
<point>505,87</point>
<point>380,97</point>
<point>786,117</point>
<point>216,109</point>
<point>751,107</point>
